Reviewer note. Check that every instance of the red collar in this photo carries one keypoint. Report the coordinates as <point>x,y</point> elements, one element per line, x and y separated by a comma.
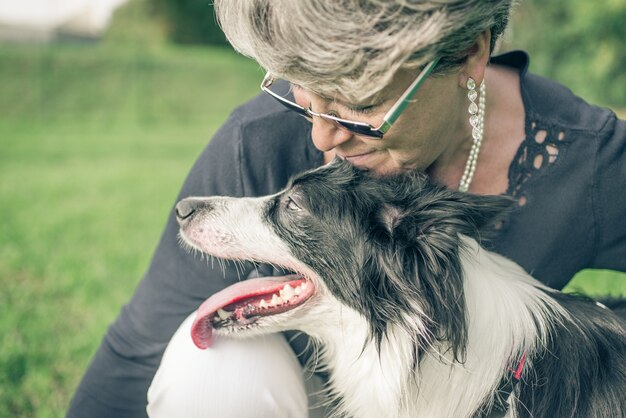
<point>517,373</point>
<point>507,385</point>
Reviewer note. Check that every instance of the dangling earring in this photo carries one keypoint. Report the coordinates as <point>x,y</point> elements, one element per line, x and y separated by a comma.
<point>477,121</point>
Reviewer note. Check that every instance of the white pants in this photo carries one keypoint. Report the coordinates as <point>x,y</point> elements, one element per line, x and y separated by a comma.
<point>256,378</point>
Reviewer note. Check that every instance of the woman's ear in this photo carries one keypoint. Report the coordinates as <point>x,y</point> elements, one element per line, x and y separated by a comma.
<point>477,60</point>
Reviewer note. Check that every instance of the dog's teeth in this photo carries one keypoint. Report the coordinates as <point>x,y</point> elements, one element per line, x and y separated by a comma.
<point>275,299</point>
<point>223,314</point>
<point>298,290</point>
<point>263,304</point>
<point>287,292</point>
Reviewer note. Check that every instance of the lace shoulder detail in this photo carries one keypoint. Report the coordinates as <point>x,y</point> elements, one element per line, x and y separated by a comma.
<point>538,153</point>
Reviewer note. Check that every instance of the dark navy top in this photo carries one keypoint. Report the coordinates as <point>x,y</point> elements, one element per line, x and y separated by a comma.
<point>569,176</point>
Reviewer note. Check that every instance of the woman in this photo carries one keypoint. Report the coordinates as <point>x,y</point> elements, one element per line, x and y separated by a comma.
<point>470,121</point>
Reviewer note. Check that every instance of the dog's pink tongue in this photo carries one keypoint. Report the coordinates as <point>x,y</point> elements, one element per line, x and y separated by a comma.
<point>202,329</point>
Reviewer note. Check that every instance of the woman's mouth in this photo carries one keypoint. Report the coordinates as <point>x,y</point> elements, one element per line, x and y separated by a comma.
<point>359,159</point>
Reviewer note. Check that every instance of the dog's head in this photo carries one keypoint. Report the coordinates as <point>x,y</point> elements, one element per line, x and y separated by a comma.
<point>386,247</point>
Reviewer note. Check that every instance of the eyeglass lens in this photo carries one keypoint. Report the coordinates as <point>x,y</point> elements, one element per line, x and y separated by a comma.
<point>281,91</point>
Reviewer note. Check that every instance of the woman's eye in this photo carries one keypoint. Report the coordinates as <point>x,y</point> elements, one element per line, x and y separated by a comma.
<point>362,110</point>
<point>292,206</point>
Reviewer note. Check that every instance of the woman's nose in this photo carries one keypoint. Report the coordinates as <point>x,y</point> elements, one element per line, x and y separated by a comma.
<point>327,136</point>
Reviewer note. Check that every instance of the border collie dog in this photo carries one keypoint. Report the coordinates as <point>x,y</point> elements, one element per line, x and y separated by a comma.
<point>414,318</point>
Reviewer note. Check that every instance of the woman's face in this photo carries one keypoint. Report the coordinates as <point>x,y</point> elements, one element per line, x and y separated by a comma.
<point>431,127</point>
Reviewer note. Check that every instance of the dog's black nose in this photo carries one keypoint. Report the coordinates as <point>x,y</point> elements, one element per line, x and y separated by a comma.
<point>185,208</point>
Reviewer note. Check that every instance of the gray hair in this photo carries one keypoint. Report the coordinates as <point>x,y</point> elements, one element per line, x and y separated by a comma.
<point>354,47</point>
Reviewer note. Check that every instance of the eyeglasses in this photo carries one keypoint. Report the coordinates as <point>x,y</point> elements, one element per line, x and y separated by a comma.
<point>358,128</point>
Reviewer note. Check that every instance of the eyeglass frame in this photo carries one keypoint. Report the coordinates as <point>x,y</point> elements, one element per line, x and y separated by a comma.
<point>358,128</point>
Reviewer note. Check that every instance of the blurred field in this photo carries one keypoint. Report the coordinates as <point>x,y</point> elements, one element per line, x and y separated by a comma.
<point>95,142</point>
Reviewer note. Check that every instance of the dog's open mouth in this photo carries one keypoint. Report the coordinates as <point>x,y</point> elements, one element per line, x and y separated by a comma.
<point>243,303</point>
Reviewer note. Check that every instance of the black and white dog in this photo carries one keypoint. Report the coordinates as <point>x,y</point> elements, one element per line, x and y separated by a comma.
<point>415,318</point>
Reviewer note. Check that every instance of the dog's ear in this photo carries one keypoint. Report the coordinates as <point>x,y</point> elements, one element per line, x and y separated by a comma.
<point>390,216</point>
<point>453,212</point>
<point>480,213</point>
<point>429,207</point>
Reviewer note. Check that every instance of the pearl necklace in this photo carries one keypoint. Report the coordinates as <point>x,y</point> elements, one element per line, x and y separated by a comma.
<point>477,120</point>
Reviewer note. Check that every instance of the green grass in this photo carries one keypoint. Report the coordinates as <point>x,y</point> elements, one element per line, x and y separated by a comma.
<point>95,142</point>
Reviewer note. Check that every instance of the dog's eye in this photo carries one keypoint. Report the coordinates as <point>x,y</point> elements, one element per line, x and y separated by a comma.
<point>292,206</point>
